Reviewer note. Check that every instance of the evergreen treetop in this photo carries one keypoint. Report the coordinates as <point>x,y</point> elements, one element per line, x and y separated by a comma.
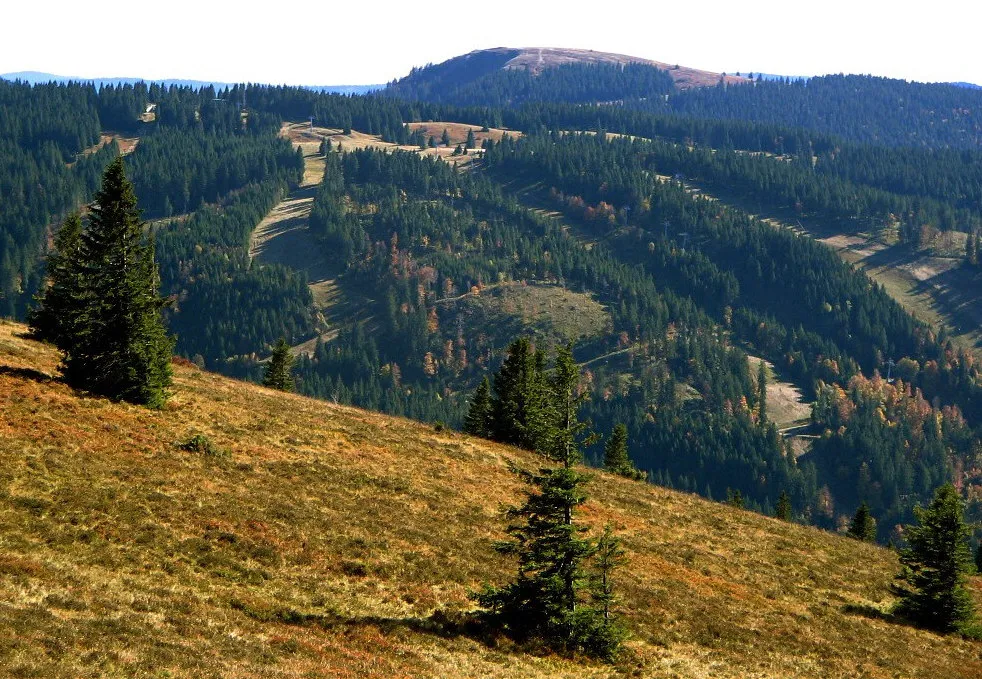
<point>863,526</point>
<point>278,374</point>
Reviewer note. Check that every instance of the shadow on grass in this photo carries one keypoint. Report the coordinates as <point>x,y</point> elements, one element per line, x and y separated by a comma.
<point>873,613</point>
<point>26,374</point>
<point>440,623</point>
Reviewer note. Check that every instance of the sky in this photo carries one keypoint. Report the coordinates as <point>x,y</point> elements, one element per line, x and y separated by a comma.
<point>369,42</point>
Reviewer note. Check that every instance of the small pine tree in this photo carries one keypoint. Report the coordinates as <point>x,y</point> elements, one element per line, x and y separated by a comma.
<point>478,420</point>
<point>471,142</point>
<point>278,370</point>
<point>734,498</point>
<point>783,510</point>
<point>863,526</point>
<point>616,458</point>
<point>445,137</point>
<point>931,584</point>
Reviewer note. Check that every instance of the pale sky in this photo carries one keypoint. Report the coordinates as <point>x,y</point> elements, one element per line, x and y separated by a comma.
<point>333,43</point>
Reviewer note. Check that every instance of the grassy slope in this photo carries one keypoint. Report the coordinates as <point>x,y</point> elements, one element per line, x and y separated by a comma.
<point>323,541</point>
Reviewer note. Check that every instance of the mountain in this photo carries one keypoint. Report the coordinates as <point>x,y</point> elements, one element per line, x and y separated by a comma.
<point>241,531</point>
<point>37,77</point>
<point>537,59</point>
<point>504,75</point>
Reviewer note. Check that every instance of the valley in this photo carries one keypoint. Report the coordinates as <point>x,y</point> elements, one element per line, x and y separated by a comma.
<point>730,325</point>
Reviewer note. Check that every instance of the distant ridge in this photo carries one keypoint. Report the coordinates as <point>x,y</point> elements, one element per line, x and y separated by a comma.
<point>538,59</point>
<point>38,77</point>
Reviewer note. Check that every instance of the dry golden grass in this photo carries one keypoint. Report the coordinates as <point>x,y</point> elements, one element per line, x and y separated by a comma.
<point>317,540</point>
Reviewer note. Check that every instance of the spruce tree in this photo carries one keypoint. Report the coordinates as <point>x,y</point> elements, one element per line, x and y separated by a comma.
<point>278,373</point>
<point>55,316</point>
<point>616,458</point>
<point>863,526</point>
<point>762,393</point>
<point>565,436</point>
<point>118,346</point>
<point>783,510</point>
<point>518,404</point>
<point>478,420</point>
<point>471,143</point>
<point>445,138</point>
<point>931,584</point>
<point>548,599</point>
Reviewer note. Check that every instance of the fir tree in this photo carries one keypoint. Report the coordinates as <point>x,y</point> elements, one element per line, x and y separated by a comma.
<point>55,317</point>
<point>616,458</point>
<point>471,143</point>
<point>762,393</point>
<point>547,600</point>
<point>863,526</point>
<point>478,420</point>
<point>118,346</point>
<point>445,138</point>
<point>518,405</point>
<point>783,510</point>
<point>567,435</point>
<point>278,371</point>
<point>931,584</point>
<point>734,498</point>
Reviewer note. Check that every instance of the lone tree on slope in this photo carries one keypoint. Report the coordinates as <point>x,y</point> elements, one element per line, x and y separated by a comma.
<point>103,291</point>
<point>931,584</point>
<point>278,373</point>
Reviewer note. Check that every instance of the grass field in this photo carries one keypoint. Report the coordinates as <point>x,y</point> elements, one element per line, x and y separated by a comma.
<point>547,312</point>
<point>312,540</point>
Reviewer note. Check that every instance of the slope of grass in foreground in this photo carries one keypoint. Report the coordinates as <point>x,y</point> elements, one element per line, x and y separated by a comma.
<point>318,541</point>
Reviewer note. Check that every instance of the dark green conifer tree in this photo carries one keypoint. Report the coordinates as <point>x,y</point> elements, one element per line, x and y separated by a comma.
<point>518,405</point>
<point>118,346</point>
<point>762,392</point>
<point>783,510</point>
<point>445,138</point>
<point>931,584</point>
<point>863,526</point>
<point>548,599</point>
<point>54,317</point>
<point>565,435</point>
<point>616,458</point>
<point>278,373</point>
<point>478,420</point>
<point>471,143</point>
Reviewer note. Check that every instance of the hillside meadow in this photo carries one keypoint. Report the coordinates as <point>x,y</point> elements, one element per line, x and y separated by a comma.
<point>241,532</point>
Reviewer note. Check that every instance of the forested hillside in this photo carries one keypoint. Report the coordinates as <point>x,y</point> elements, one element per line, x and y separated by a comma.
<point>588,224</point>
